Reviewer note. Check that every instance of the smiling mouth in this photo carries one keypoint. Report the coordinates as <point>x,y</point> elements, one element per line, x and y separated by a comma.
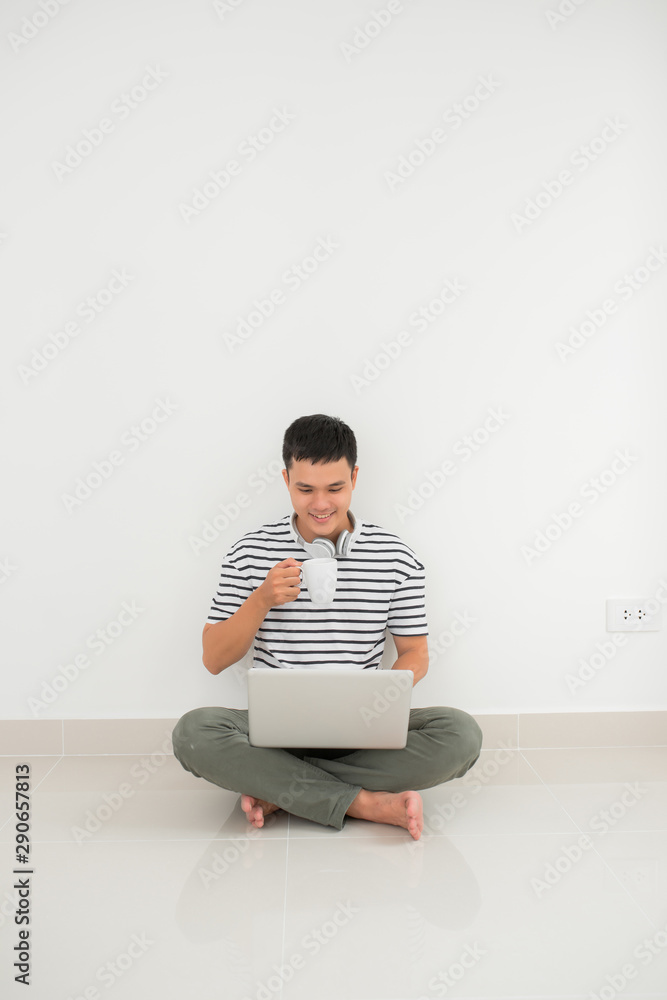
<point>325,518</point>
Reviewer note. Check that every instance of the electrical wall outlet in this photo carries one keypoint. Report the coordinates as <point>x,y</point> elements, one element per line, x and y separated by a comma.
<point>639,876</point>
<point>633,614</point>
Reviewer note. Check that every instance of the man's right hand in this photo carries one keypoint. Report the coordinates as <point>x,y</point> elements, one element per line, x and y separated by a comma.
<point>282,584</point>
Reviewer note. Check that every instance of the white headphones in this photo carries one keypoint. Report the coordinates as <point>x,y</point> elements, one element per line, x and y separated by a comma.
<point>323,548</point>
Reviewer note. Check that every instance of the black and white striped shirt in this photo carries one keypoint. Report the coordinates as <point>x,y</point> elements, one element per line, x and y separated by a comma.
<point>380,585</point>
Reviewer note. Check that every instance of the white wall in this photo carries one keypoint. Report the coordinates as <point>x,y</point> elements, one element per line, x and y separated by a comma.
<point>218,73</point>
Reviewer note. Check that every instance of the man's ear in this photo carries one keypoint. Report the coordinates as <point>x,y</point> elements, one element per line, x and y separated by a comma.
<point>286,477</point>
<point>354,476</point>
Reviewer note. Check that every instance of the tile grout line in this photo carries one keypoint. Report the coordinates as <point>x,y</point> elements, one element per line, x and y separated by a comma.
<point>585,833</point>
<point>282,946</point>
<point>133,753</point>
<point>609,746</point>
<point>223,840</point>
<point>34,789</point>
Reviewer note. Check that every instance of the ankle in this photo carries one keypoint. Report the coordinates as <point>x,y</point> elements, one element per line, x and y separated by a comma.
<point>360,806</point>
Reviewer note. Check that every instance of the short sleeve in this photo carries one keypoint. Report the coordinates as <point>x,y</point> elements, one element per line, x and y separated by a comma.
<point>233,590</point>
<point>407,610</point>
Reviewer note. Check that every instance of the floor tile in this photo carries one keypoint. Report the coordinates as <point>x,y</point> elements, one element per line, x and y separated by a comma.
<point>516,890</point>
<point>637,865</point>
<point>502,785</point>
<point>129,798</point>
<point>596,764</point>
<point>604,790</point>
<point>168,920</point>
<point>381,919</point>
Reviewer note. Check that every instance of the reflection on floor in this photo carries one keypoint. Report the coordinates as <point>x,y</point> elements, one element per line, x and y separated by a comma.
<point>541,873</point>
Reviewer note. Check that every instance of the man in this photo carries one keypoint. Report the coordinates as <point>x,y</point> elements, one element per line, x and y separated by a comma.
<point>260,600</point>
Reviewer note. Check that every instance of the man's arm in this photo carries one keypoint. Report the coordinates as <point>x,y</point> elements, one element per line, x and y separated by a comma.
<point>412,654</point>
<point>226,642</point>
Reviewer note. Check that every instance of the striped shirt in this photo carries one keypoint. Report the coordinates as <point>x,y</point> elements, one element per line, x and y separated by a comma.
<point>380,585</point>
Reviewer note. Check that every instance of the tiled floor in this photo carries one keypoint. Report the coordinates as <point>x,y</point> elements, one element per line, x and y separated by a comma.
<point>542,873</point>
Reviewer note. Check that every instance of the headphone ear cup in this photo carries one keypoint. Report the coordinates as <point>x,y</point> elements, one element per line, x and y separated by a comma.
<point>343,543</point>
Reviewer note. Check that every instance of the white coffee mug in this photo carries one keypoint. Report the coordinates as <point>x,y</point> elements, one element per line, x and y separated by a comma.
<point>319,576</point>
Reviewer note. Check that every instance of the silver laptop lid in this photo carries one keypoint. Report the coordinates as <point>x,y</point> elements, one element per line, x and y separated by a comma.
<point>333,708</point>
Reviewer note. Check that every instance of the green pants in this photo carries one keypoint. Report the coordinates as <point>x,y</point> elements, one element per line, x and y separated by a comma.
<point>320,785</point>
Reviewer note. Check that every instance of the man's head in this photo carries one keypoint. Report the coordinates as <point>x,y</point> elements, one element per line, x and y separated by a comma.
<point>320,455</point>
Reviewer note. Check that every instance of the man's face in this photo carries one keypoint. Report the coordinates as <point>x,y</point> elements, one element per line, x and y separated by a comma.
<point>321,496</point>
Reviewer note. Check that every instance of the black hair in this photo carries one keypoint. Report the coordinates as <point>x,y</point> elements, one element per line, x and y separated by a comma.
<point>319,438</point>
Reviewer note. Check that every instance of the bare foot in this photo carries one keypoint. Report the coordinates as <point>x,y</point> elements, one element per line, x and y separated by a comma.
<point>256,809</point>
<point>396,808</point>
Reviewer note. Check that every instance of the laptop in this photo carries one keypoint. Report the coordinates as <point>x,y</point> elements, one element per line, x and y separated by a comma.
<point>333,708</point>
